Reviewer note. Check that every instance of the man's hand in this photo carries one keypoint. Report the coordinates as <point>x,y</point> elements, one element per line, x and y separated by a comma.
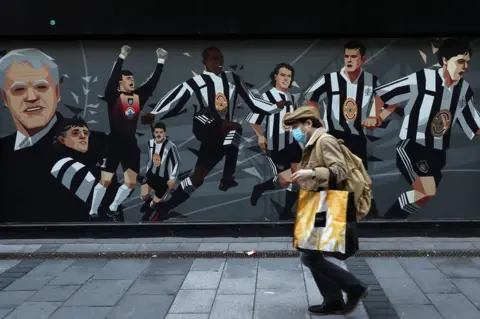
<point>372,122</point>
<point>125,50</point>
<point>262,142</point>
<point>301,176</point>
<point>161,53</point>
<point>282,104</point>
<point>171,183</point>
<point>148,118</point>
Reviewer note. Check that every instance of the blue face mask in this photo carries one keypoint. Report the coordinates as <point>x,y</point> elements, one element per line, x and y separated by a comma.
<point>299,136</point>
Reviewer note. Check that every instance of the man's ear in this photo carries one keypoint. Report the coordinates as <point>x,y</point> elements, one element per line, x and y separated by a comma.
<point>444,59</point>
<point>4,97</point>
<point>57,92</point>
<point>364,59</point>
<point>61,139</point>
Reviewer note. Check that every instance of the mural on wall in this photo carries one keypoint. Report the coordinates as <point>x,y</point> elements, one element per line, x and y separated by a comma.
<point>212,146</point>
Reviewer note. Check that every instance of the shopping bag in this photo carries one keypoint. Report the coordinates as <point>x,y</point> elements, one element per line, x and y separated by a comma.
<point>326,221</point>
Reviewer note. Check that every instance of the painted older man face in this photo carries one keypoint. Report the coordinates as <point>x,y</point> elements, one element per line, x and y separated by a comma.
<point>31,95</point>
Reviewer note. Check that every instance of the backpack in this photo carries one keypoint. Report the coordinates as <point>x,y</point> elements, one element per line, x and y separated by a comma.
<point>357,181</point>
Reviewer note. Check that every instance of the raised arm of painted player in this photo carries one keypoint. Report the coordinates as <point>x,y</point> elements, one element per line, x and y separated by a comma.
<point>316,93</point>
<point>112,85</point>
<point>256,121</point>
<point>468,116</point>
<point>388,96</point>
<point>145,91</point>
<point>175,99</point>
<point>255,104</point>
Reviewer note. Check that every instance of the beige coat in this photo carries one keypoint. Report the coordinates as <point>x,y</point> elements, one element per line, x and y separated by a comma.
<point>326,158</point>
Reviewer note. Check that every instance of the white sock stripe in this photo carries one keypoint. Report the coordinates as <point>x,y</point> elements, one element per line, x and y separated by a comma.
<point>187,185</point>
<point>200,119</point>
<point>406,160</point>
<point>406,205</point>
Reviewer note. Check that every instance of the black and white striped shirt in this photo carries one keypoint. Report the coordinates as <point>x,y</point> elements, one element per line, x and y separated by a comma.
<point>217,96</point>
<point>431,107</point>
<point>75,176</point>
<point>163,159</point>
<point>276,136</point>
<point>348,102</point>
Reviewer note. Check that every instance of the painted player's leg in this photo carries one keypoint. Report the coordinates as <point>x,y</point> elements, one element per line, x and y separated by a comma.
<point>161,190</point>
<point>270,184</point>
<point>291,196</point>
<point>424,188</point>
<point>233,134</point>
<point>208,158</point>
<point>145,191</point>
<point>130,160</point>
<point>123,191</point>
<point>424,177</point>
<point>99,192</point>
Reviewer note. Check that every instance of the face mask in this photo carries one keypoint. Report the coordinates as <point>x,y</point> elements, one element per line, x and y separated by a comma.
<point>299,136</point>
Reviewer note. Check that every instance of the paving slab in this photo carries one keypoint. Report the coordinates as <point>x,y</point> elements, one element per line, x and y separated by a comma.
<point>236,288</point>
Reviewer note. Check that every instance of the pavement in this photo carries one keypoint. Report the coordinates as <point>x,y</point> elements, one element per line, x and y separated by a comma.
<point>229,288</point>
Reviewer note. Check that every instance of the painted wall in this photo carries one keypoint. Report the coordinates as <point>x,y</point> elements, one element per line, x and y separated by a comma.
<point>86,66</point>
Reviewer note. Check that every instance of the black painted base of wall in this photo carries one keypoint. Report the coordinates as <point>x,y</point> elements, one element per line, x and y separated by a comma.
<point>380,228</point>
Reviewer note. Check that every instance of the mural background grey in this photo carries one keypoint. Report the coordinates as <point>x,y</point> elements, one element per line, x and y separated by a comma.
<point>88,64</point>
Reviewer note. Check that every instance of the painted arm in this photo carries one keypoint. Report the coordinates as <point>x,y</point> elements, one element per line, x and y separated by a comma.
<point>330,150</point>
<point>115,77</point>
<point>178,96</point>
<point>66,176</point>
<point>145,91</point>
<point>255,104</point>
<point>468,117</point>
<point>174,162</point>
<point>256,120</point>
<point>316,93</point>
<point>388,96</point>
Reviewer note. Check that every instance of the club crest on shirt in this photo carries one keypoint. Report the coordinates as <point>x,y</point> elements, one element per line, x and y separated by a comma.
<point>368,90</point>
<point>350,110</point>
<point>221,102</point>
<point>130,105</point>
<point>462,103</point>
<point>423,166</point>
<point>156,159</point>
<point>130,112</point>
<point>441,123</point>
<point>286,128</point>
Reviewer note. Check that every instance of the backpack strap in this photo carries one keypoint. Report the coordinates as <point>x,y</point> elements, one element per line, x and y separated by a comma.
<point>332,185</point>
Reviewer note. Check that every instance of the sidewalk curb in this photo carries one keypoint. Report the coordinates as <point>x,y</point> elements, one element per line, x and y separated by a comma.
<point>229,254</point>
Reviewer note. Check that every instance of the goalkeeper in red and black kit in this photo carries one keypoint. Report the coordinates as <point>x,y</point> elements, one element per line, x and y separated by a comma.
<point>124,105</point>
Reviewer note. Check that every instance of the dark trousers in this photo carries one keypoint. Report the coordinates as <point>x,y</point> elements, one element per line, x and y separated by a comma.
<point>330,278</point>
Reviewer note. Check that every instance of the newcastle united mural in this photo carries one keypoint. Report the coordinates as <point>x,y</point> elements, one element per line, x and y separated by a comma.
<point>193,131</point>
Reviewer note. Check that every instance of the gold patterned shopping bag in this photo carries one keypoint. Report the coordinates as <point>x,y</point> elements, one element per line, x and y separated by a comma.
<point>326,221</point>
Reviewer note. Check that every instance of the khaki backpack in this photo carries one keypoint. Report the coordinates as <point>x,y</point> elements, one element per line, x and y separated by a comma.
<point>357,181</point>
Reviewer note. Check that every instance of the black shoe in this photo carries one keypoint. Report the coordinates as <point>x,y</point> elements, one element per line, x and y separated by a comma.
<point>112,214</point>
<point>328,309</point>
<point>354,296</point>
<point>227,183</point>
<point>256,194</point>
<point>396,212</point>
<point>146,206</point>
